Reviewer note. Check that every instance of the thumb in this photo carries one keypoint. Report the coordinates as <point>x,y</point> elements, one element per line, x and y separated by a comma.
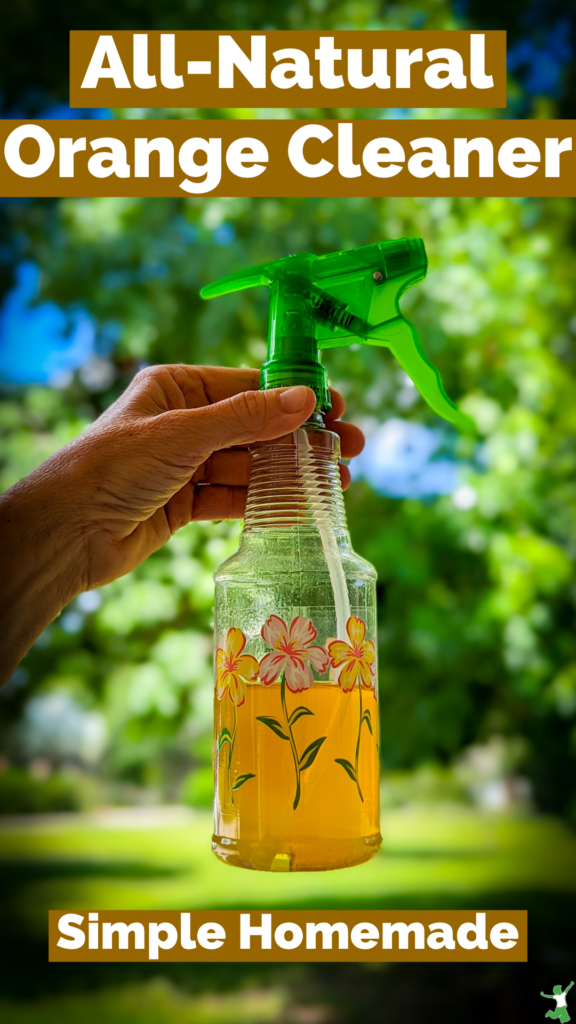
<point>249,416</point>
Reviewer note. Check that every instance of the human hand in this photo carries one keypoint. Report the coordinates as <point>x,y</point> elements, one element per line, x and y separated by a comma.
<point>172,449</point>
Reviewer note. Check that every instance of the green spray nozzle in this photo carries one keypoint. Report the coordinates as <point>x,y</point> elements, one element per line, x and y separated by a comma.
<point>344,298</point>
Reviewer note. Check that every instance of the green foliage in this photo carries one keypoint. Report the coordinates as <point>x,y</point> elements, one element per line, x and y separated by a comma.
<point>21,793</point>
<point>154,1003</point>
<point>427,786</point>
<point>198,787</point>
<point>476,604</point>
<point>477,611</point>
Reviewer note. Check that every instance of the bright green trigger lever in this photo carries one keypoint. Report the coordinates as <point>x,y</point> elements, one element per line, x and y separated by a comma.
<point>319,302</point>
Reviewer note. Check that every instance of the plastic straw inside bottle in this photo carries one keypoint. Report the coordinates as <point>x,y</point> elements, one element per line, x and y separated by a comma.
<point>325,529</point>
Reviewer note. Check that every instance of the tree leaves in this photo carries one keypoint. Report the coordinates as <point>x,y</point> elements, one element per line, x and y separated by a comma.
<point>273,724</point>
<point>310,754</point>
<point>439,562</point>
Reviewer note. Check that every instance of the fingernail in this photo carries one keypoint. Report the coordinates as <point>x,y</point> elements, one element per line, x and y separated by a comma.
<point>294,399</point>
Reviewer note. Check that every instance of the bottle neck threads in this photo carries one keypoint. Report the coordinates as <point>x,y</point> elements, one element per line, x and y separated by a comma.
<point>295,484</point>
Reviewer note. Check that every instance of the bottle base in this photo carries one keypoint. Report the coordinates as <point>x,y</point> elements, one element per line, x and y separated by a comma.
<point>278,856</point>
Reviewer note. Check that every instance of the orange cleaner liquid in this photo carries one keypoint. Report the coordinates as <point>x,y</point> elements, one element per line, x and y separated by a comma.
<point>296,778</point>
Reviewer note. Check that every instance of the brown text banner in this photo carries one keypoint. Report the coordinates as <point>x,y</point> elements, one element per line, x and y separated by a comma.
<point>297,69</point>
<point>292,935</point>
<point>287,158</point>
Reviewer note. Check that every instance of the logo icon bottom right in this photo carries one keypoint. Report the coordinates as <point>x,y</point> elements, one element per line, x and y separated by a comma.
<point>559,994</point>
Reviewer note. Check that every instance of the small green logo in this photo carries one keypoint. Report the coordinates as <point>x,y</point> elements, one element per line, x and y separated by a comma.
<point>561,1011</point>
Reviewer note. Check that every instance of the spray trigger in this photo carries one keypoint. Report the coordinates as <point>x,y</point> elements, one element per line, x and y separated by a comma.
<point>344,298</point>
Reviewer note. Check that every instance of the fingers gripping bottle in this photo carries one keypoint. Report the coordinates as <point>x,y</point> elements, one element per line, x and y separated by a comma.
<point>296,712</point>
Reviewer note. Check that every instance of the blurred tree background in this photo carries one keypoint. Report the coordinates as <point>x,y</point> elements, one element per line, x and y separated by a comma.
<point>476,585</point>
<point>475,563</point>
<point>474,543</point>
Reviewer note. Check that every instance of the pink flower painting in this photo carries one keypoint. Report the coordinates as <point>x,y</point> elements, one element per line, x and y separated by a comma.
<point>293,653</point>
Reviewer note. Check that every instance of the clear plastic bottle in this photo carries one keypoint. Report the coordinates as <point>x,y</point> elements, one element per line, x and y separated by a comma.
<point>296,713</point>
<point>296,724</point>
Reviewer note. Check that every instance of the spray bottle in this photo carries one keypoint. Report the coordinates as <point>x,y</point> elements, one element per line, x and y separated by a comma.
<point>296,712</point>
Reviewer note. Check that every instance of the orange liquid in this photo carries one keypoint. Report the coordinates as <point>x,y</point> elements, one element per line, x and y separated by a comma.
<point>332,826</point>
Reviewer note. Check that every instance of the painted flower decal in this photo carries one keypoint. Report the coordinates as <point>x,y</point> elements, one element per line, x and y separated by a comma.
<point>234,669</point>
<point>356,659</point>
<point>293,652</point>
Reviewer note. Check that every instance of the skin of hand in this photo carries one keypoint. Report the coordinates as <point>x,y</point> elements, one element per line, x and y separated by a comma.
<point>173,448</point>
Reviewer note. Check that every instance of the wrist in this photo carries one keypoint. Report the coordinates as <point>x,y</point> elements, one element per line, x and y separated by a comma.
<point>43,514</point>
<point>42,563</point>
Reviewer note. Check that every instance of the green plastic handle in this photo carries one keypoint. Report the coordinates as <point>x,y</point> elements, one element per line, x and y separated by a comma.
<point>343,298</point>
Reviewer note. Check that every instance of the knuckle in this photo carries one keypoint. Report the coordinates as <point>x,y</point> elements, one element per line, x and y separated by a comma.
<point>248,406</point>
<point>157,373</point>
<point>143,381</point>
<point>145,374</point>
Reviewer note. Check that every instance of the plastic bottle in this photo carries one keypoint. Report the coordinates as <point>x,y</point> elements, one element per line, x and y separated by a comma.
<point>296,713</point>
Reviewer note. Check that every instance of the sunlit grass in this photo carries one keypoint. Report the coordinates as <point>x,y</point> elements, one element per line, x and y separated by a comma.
<point>155,1003</point>
<point>164,861</point>
<point>441,857</point>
